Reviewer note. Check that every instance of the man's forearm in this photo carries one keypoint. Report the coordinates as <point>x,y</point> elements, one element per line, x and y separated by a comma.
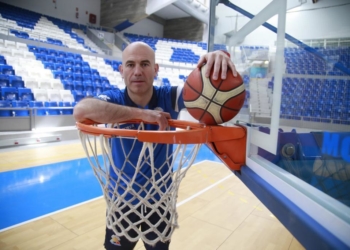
<point>103,112</point>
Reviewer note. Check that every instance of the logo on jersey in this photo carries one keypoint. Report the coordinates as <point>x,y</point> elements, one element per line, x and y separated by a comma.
<point>103,97</point>
<point>115,240</point>
<point>159,109</point>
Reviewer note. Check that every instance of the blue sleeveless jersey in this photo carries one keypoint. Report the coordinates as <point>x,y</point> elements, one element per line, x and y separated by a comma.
<point>167,99</point>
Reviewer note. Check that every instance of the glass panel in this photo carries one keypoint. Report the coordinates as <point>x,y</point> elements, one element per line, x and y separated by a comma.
<point>313,138</point>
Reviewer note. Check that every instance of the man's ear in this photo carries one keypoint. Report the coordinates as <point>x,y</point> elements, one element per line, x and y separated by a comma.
<point>156,68</point>
<point>121,69</point>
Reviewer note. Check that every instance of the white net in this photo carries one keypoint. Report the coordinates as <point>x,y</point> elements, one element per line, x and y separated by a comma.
<point>140,182</point>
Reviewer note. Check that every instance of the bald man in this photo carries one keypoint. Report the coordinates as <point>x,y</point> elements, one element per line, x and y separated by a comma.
<point>141,100</point>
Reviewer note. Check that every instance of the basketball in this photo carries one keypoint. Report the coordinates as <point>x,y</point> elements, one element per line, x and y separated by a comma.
<point>210,101</point>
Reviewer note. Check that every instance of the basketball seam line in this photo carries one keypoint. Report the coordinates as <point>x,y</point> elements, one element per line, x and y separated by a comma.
<point>210,100</point>
<point>216,91</point>
<point>200,94</point>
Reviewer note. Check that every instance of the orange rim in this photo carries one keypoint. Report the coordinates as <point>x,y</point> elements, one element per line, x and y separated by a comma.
<point>191,133</point>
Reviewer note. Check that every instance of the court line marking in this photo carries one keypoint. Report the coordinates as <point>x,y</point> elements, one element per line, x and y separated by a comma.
<point>202,191</point>
<point>96,198</point>
<point>49,214</point>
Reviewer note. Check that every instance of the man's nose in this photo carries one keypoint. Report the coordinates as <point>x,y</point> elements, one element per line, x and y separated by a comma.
<point>137,70</point>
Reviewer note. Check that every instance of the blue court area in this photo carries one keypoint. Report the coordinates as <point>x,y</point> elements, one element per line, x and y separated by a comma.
<point>33,192</point>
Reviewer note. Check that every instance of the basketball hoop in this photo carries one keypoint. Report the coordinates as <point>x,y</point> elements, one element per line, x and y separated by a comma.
<point>158,194</point>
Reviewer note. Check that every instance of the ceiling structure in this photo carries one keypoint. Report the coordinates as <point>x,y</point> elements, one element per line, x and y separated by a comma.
<point>171,12</point>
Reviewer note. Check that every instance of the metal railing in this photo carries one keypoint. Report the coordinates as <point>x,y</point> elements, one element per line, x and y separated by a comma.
<point>97,41</point>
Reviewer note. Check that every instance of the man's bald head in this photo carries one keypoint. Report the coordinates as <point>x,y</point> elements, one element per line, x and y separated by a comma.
<point>139,47</point>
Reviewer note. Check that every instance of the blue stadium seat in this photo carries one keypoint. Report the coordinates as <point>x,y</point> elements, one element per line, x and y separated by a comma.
<point>70,61</point>
<point>78,57</point>
<point>24,111</point>
<point>77,69</point>
<point>16,81</point>
<point>78,95</point>
<point>15,32</point>
<point>88,93</point>
<point>70,55</point>
<point>94,72</point>
<point>42,50</point>
<point>78,63</point>
<point>86,69</point>
<point>52,52</point>
<point>9,93</point>
<point>58,74</point>
<point>83,63</point>
<point>96,79</point>
<point>104,79</point>
<point>7,112</point>
<point>116,68</point>
<point>2,60</point>
<point>4,81</point>
<point>60,60</point>
<point>98,88</point>
<point>68,76</point>
<point>69,68</point>
<point>86,76</point>
<point>51,108</point>
<point>32,48</point>
<point>40,57</point>
<point>78,85</point>
<point>54,41</point>
<point>49,65</point>
<point>88,86</point>
<point>68,85</point>
<point>61,54</point>
<point>59,67</point>
<point>25,94</point>
<point>67,110</point>
<point>106,86</point>
<point>80,40</point>
<point>50,58</point>
<point>77,76</point>
<point>6,70</point>
<point>38,107</point>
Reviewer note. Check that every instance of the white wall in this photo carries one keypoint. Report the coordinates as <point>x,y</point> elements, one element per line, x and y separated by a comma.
<point>324,19</point>
<point>63,9</point>
<point>146,27</point>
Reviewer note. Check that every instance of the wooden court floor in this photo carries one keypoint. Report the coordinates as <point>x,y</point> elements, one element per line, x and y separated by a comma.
<point>216,211</point>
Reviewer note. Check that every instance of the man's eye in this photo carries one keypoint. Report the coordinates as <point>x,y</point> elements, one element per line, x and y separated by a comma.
<point>129,65</point>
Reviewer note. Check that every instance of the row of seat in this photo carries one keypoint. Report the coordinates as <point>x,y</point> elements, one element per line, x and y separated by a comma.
<point>37,108</point>
<point>11,81</point>
<point>23,93</point>
<point>332,81</point>
<point>28,21</point>
<point>62,72</point>
<point>315,119</point>
<point>54,53</point>
<point>316,72</point>
<point>317,100</point>
<point>13,93</point>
